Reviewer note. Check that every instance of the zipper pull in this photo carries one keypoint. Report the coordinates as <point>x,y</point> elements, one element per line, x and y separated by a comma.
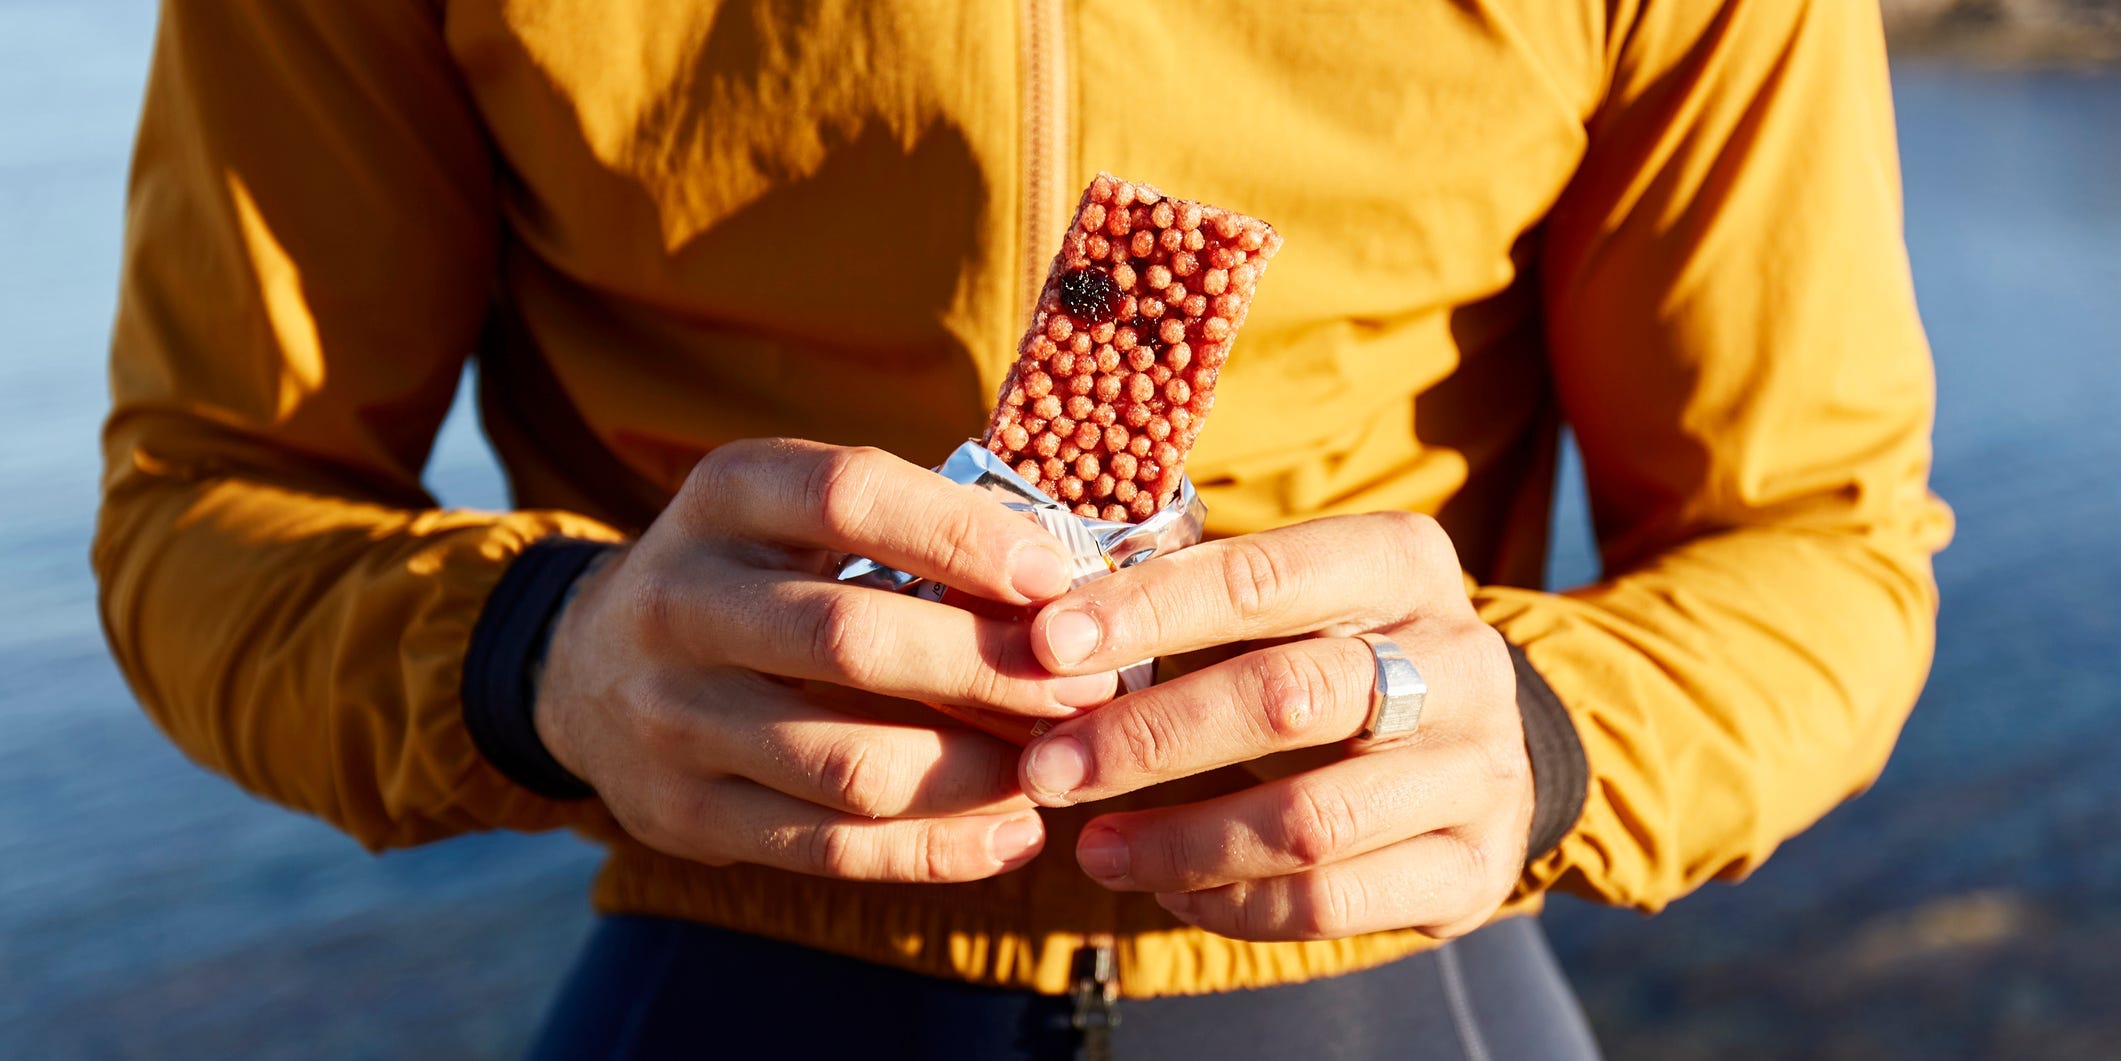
<point>1096,994</point>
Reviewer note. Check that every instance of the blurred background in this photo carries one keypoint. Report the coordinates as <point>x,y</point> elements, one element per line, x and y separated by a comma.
<point>1968,906</point>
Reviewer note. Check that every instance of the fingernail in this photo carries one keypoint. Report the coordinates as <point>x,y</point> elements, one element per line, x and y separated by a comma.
<point>1013,838</point>
<point>1085,690</point>
<point>1072,636</point>
<point>1102,854</point>
<point>1038,572</point>
<point>1056,767</point>
<point>1179,903</point>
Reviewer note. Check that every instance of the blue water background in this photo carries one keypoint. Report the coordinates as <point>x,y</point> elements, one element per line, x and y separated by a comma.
<point>1970,905</point>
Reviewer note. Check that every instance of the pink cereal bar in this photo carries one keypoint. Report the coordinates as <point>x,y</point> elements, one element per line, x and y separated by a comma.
<point>1118,368</point>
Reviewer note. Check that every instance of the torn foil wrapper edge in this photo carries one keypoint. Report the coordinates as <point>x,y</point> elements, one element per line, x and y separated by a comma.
<point>1096,547</point>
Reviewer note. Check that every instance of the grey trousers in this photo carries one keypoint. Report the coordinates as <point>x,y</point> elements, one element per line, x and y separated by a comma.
<point>652,988</point>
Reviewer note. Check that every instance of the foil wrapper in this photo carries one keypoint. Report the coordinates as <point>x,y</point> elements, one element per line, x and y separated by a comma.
<point>1096,547</point>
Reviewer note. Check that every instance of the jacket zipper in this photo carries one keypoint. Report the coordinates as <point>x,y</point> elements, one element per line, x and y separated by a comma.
<point>1094,989</point>
<point>1095,992</point>
<point>1045,139</point>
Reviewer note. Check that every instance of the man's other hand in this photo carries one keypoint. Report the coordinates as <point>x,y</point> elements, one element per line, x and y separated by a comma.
<point>1427,830</point>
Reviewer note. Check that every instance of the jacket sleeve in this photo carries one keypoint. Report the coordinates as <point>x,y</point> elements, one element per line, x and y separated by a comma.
<point>1735,345</point>
<point>309,253</point>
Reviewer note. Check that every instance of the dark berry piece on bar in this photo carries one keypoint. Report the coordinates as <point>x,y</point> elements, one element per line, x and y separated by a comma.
<point>1090,294</point>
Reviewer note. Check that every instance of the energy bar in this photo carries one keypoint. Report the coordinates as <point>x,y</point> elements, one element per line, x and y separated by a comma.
<point>1117,371</point>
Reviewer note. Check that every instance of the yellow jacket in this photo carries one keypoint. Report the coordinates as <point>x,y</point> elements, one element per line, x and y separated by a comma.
<point>658,225</point>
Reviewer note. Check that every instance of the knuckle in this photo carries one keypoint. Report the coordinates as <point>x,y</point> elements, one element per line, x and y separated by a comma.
<point>711,467</point>
<point>1486,683</point>
<point>1134,609</point>
<point>858,775</point>
<point>1467,864</point>
<point>638,807</point>
<point>1505,764</point>
<point>669,814</point>
<point>653,604</point>
<point>655,714</point>
<point>840,491</point>
<point>1497,673</point>
<point>944,852</point>
<point>1292,686</point>
<point>1419,530</point>
<point>1417,541</point>
<point>988,686</point>
<point>725,474</point>
<point>832,850</point>
<point>1327,906</point>
<point>1318,824</point>
<point>708,473</point>
<point>1170,854</point>
<point>1257,577</point>
<point>958,528</point>
<point>1147,743</point>
<point>842,635</point>
<point>1471,905</point>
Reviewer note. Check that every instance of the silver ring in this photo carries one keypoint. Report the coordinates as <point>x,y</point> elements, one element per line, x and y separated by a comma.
<point>1396,698</point>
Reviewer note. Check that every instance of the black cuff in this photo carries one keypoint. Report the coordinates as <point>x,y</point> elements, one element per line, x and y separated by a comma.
<point>508,638</point>
<point>1561,777</point>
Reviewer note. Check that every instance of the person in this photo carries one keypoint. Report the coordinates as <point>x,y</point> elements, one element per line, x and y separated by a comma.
<point>733,275</point>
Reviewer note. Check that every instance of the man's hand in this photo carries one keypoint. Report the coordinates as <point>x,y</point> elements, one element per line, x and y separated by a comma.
<point>1425,831</point>
<point>672,682</point>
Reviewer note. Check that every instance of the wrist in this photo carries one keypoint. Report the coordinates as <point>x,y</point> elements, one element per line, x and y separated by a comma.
<point>549,662</point>
<point>1560,773</point>
<point>498,682</point>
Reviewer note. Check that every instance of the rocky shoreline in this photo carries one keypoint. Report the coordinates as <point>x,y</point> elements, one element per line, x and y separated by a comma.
<point>2050,33</point>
